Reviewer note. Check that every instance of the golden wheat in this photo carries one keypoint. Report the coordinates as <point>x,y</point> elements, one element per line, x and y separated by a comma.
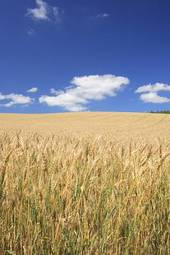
<point>75,194</point>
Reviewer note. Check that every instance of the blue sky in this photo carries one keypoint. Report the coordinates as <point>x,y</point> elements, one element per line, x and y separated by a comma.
<point>84,55</point>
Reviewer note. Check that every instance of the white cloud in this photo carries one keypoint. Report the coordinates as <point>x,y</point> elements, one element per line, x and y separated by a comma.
<point>103,15</point>
<point>85,89</point>
<point>44,11</point>
<point>149,93</point>
<point>14,99</point>
<point>56,92</point>
<point>32,90</point>
<point>153,88</point>
<point>40,12</point>
<point>153,97</point>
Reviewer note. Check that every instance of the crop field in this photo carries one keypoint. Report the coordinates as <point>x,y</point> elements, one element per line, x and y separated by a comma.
<point>85,184</point>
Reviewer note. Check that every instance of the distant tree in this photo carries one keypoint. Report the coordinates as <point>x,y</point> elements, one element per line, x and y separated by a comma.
<point>162,111</point>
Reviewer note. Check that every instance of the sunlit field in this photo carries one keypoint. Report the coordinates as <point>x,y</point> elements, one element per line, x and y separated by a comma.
<point>85,183</point>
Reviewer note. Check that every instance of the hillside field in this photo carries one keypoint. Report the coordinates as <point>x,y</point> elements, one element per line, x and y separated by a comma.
<point>85,184</point>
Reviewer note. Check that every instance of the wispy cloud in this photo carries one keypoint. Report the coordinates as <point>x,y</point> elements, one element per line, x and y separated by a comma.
<point>149,93</point>
<point>32,90</point>
<point>84,90</point>
<point>44,12</point>
<point>102,15</point>
<point>31,32</point>
<point>14,99</point>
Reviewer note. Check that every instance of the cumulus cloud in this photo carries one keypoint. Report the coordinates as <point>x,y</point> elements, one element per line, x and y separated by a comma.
<point>85,89</point>
<point>153,88</point>
<point>149,93</point>
<point>14,99</point>
<point>55,92</point>
<point>153,97</point>
<point>43,11</point>
<point>32,90</point>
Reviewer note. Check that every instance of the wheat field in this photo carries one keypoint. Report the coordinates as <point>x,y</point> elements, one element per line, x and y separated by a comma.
<point>85,183</point>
